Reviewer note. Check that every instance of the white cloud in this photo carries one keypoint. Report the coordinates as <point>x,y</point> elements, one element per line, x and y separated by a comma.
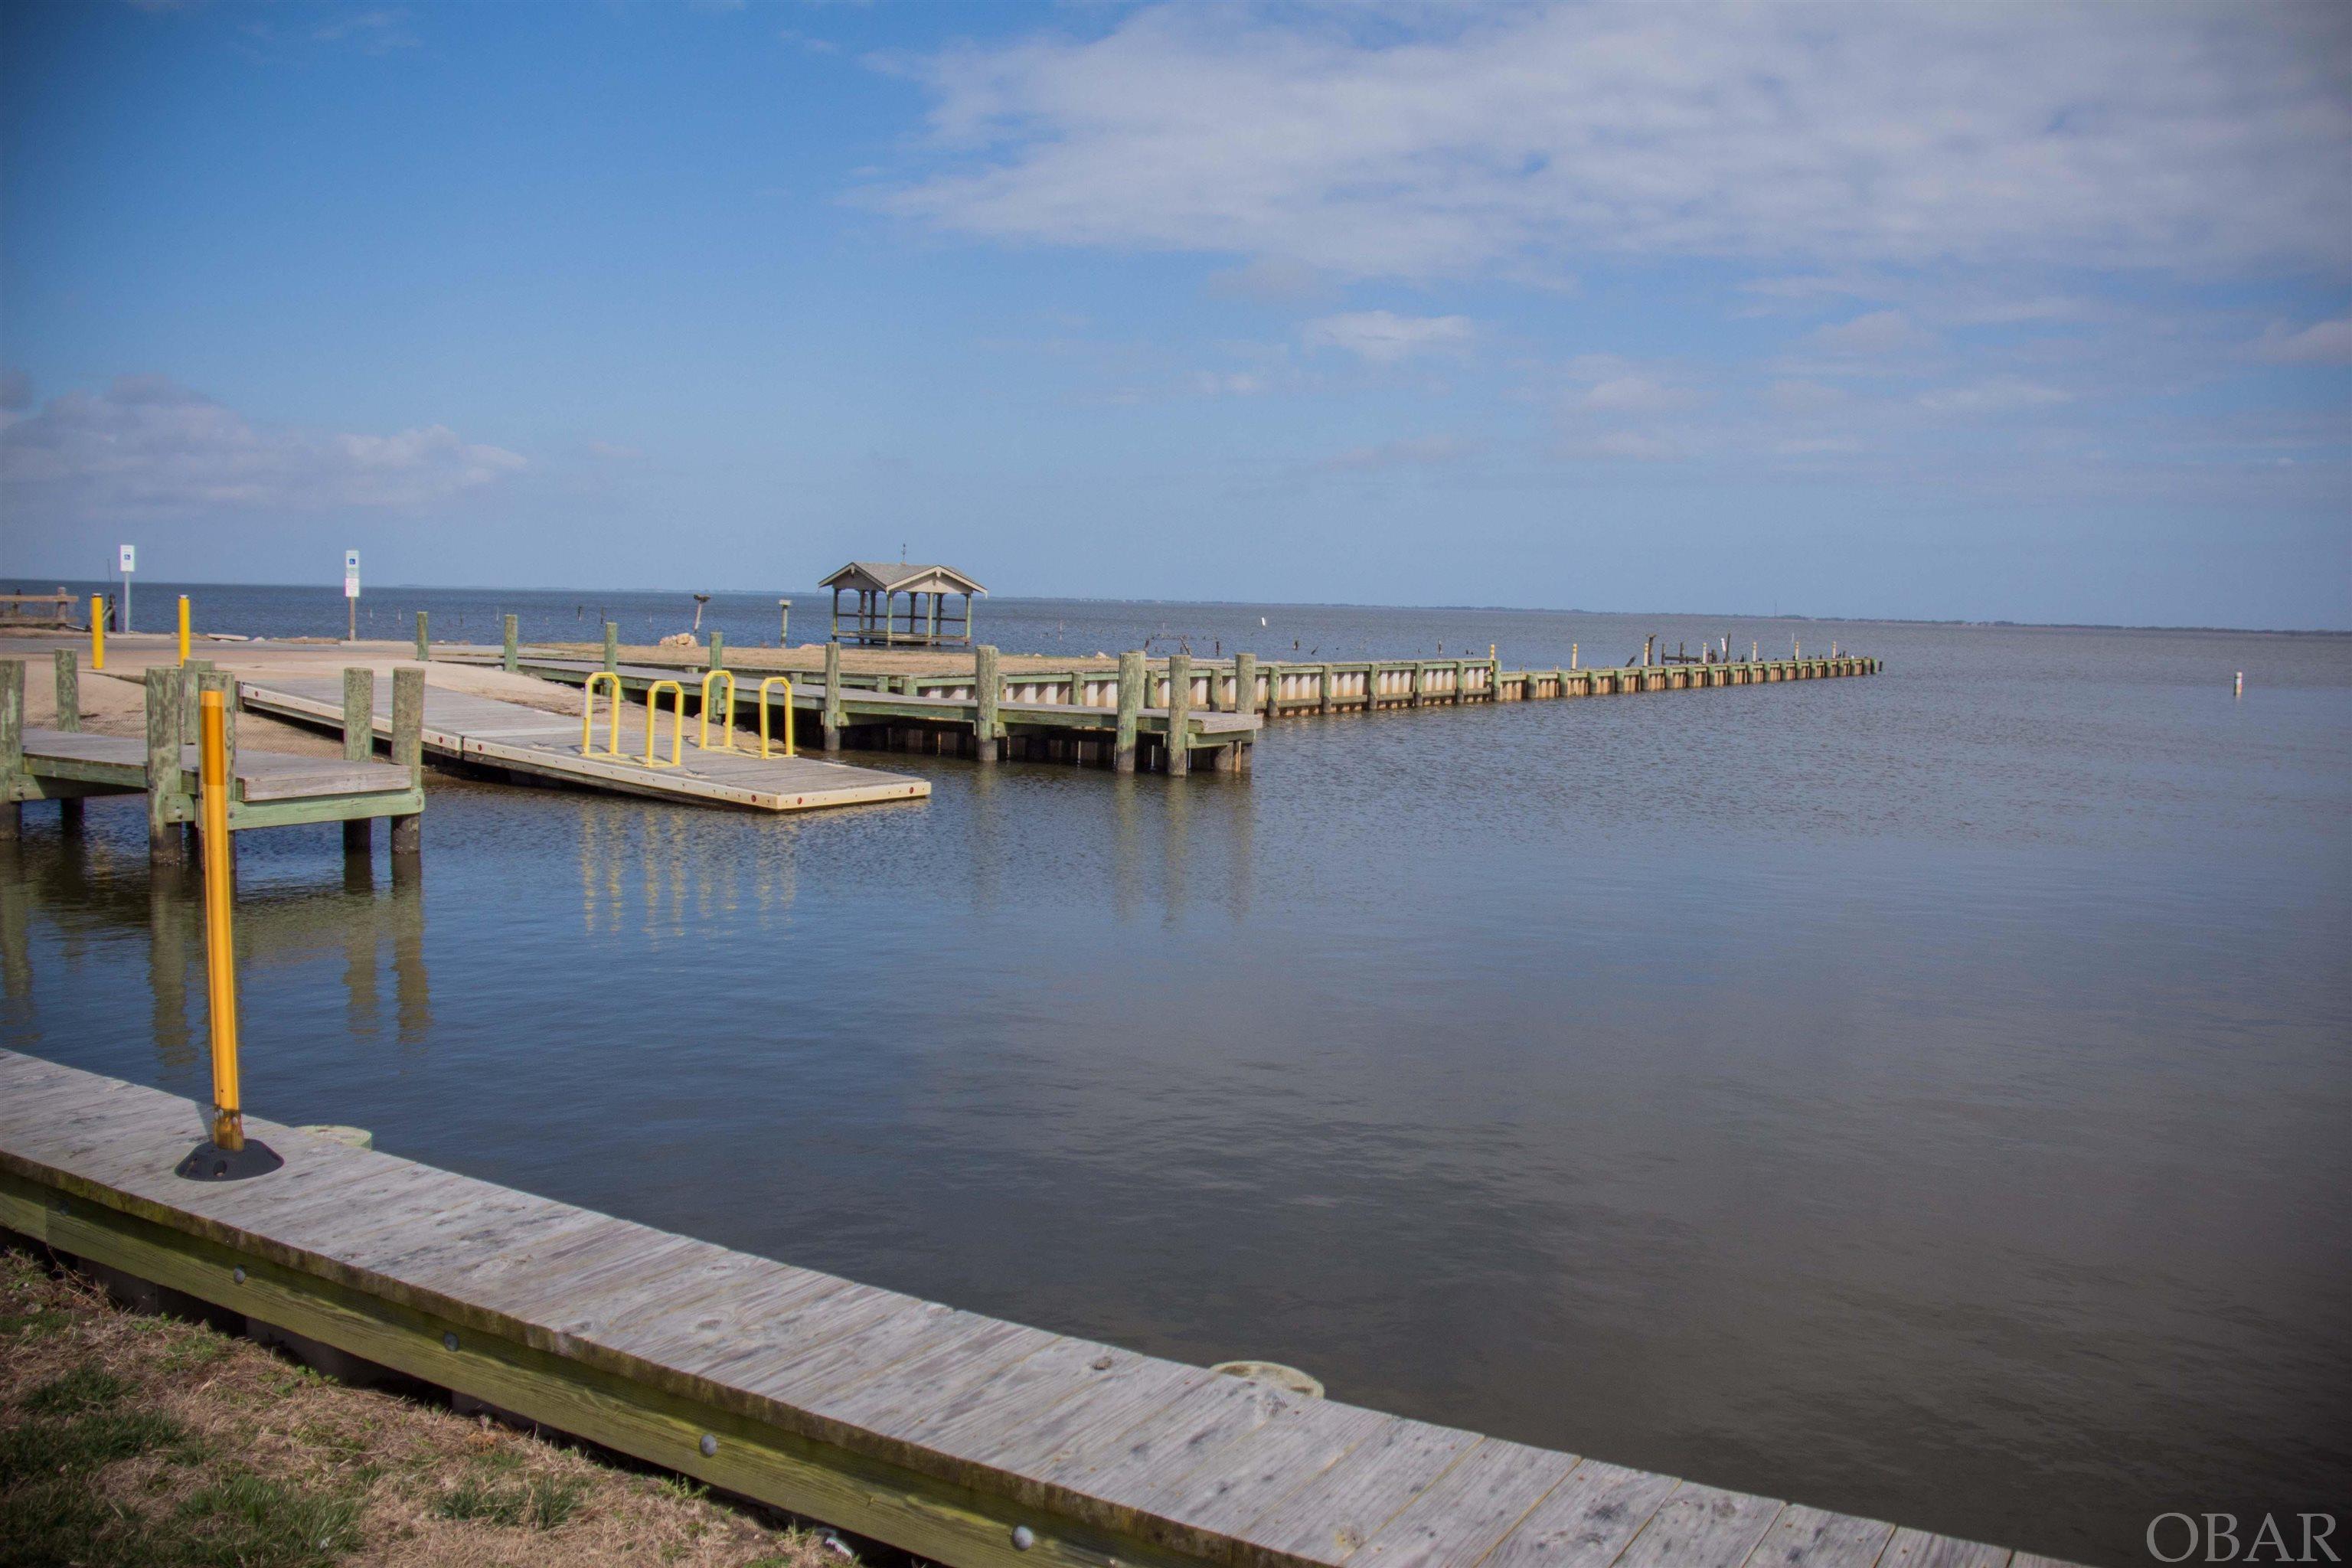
<point>1801,397</point>
<point>1381,337</point>
<point>2001,394</point>
<point>148,446</point>
<point>1634,394</point>
<point>2323,342</point>
<point>1525,141</point>
<point>1412,451</point>
<point>1880,332</point>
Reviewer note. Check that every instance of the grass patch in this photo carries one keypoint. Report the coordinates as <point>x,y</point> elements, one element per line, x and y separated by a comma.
<point>83,1389</point>
<point>42,1448</point>
<point>250,1521</point>
<point>542,1502</point>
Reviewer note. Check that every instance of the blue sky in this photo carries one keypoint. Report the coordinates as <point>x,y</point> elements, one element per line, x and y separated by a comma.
<point>1985,312</point>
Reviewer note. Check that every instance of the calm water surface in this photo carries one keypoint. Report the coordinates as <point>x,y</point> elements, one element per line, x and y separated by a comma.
<point>1923,1096</point>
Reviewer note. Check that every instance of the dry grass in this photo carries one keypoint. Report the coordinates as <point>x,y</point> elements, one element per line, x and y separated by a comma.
<point>127,1439</point>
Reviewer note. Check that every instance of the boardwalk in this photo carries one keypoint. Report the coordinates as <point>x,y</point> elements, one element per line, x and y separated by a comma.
<point>958,1437</point>
<point>486,732</point>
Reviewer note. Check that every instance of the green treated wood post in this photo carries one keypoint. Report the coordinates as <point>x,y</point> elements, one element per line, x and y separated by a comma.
<point>68,677</point>
<point>359,745</point>
<point>509,655</point>
<point>423,643</point>
<point>12,744</point>
<point>987,692</point>
<point>1493,679</point>
<point>1244,683</point>
<point>407,751</point>
<point>163,764</point>
<point>68,718</point>
<point>612,646</point>
<point>1324,705</point>
<point>1420,677</point>
<point>830,715</point>
<point>717,648</point>
<point>1131,708</point>
<point>1180,714</point>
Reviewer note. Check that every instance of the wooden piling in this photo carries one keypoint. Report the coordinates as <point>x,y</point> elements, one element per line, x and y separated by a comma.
<point>717,648</point>
<point>1180,714</point>
<point>1130,709</point>
<point>612,646</point>
<point>1244,683</point>
<point>510,654</point>
<point>12,744</point>
<point>407,752</point>
<point>423,643</point>
<point>359,744</point>
<point>68,718</point>
<point>829,716</point>
<point>1323,690</point>
<point>164,799</point>
<point>988,691</point>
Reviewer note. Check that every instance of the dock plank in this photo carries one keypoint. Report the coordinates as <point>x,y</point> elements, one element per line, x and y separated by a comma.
<point>1701,1527</point>
<point>1457,1521</point>
<point>1587,1521</point>
<point>1337,1511</point>
<point>1814,1538</point>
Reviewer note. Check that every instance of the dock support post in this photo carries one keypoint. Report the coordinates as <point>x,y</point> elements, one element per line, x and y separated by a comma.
<point>784,623</point>
<point>423,643</point>
<point>611,646</point>
<point>69,675</point>
<point>1493,676</point>
<point>359,746</point>
<point>1244,683</point>
<point>12,744</point>
<point>68,718</point>
<point>408,751</point>
<point>987,692</point>
<point>1180,714</point>
<point>1130,709</point>
<point>1323,700</point>
<point>1419,671</point>
<point>510,654</point>
<point>830,714</point>
<point>163,837</point>
<point>718,650</point>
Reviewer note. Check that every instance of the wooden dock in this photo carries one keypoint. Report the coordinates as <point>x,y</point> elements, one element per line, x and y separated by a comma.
<point>959,1438</point>
<point>484,732</point>
<point>267,789</point>
<point>1100,710</point>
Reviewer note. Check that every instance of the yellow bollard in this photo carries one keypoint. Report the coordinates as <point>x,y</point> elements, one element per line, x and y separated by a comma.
<point>228,1156</point>
<point>588,715</point>
<point>676,723</point>
<point>183,629</point>
<point>787,685</point>
<point>727,716</point>
<point>97,632</point>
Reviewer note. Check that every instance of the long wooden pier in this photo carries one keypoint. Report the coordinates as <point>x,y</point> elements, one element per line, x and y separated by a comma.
<point>482,731</point>
<point>1099,711</point>
<point>961,1438</point>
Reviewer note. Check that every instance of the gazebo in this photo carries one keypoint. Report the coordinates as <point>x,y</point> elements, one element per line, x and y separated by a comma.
<point>877,621</point>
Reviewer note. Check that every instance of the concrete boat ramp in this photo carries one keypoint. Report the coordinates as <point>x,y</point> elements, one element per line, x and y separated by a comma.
<point>484,732</point>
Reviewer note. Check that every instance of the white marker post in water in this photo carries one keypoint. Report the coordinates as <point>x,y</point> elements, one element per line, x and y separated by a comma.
<point>2240,690</point>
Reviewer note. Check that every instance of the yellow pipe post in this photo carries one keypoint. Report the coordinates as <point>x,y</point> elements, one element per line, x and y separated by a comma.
<point>588,715</point>
<point>97,632</point>
<point>220,945</point>
<point>726,719</point>
<point>183,629</point>
<point>676,723</point>
<point>776,680</point>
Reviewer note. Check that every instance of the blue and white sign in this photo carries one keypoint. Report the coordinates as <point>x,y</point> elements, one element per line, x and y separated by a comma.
<point>130,559</point>
<point>350,574</point>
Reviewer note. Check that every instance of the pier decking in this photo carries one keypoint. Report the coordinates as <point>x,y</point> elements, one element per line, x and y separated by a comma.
<point>964,1439</point>
<point>486,732</point>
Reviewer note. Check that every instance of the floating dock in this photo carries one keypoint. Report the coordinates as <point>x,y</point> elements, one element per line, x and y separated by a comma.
<point>967,1440</point>
<point>482,731</point>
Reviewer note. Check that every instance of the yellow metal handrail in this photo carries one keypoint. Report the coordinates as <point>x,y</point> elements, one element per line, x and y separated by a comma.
<point>787,685</point>
<point>588,716</point>
<point>97,632</point>
<point>676,723</point>
<point>727,717</point>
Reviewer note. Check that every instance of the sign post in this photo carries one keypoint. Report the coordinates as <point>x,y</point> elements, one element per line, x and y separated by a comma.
<point>130,559</point>
<point>351,593</point>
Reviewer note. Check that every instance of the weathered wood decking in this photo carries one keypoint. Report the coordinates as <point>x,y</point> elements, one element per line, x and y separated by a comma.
<point>959,1437</point>
<point>484,731</point>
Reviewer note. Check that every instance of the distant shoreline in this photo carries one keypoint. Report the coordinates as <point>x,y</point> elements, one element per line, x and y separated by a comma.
<point>29,586</point>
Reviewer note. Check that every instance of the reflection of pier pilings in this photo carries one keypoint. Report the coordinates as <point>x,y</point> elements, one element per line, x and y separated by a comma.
<point>672,865</point>
<point>16,942</point>
<point>174,904</point>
